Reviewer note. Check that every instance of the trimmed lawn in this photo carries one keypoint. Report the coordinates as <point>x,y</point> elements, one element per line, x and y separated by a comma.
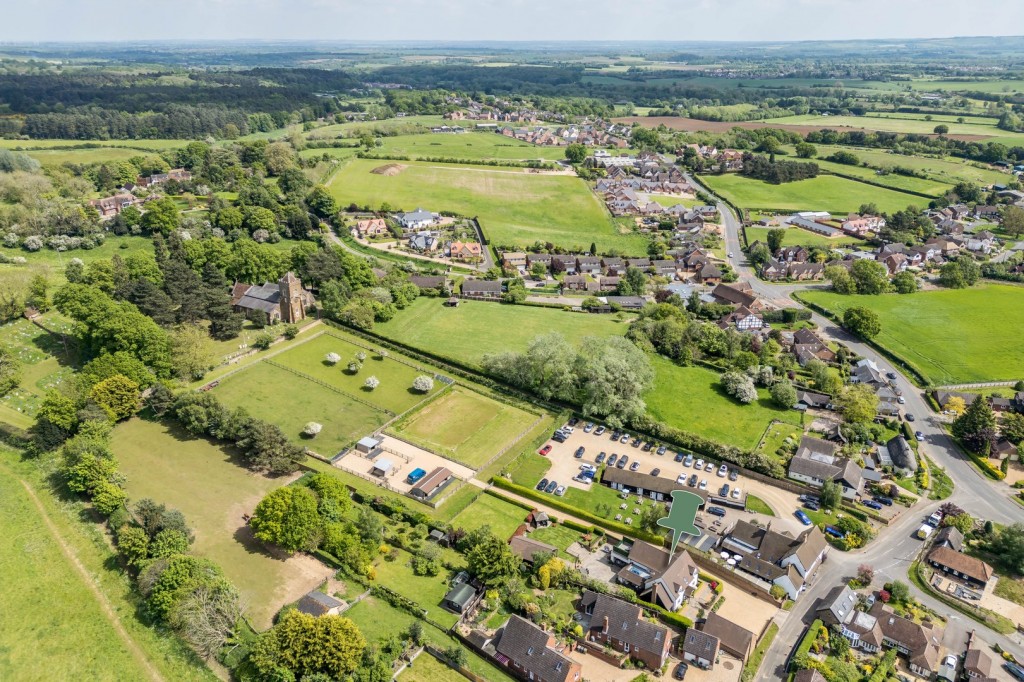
<point>756,504</point>
<point>427,591</point>
<point>290,401</point>
<point>1011,589</point>
<point>426,668</point>
<point>949,335</point>
<point>488,510</point>
<point>691,399</point>
<point>529,470</point>
<point>487,327</point>
<point>796,236</point>
<point>823,193</point>
<point>514,207</point>
<point>557,536</point>
<point>466,426</point>
<point>395,392</point>
<point>475,146</point>
<point>53,626</point>
<point>212,490</point>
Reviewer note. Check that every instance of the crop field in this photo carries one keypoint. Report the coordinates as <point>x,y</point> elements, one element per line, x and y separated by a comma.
<point>44,365</point>
<point>205,482</point>
<point>487,327</point>
<point>281,397</point>
<point>395,392</point>
<point>488,510</point>
<point>796,236</point>
<point>53,626</point>
<point>823,193</point>
<point>949,335</point>
<point>474,145</point>
<point>514,207</point>
<point>466,426</point>
<point>690,398</point>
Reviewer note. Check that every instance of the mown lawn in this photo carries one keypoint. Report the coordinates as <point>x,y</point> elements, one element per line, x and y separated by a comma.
<point>290,401</point>
<point>691,399</point>
<point>426,668</point>
<point>823,193</point>
<point>427,591</point>
<point>949,335</point>
<point>466,426</point>
<point>556,536</point>
<point>487,327</point>
<point>796,236</point>
<point>212,490</point>
<point>514,207</point>
<point>395,391</point>
<point>488,510</point>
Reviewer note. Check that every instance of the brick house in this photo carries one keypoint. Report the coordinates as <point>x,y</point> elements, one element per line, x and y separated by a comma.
<point>532,653</point>
<point>620,626</point>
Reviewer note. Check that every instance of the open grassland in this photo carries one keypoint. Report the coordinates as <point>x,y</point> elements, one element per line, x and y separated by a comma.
<point>474,145</point>
<point>691,399</point>
<point>949,335</point>
<point>466,426</point>
<point>355,128</point>
<point>488,510</point>
<point>487,327</point>
<point>395,392</point>
<point>65,593</point>
<point>426,668</point>
<point>901,123</point>
<point>208,485</point>
<point>281,397</point>
<point>514,207</point>
<point>15,278</point>
<point>796,236</point>
<point>894,181</point>
<point>45,364</point>
<point>141,146</point>
<point>823,193</point>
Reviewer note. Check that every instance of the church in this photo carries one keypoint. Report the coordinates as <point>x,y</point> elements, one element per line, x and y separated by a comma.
<point>285,301</point>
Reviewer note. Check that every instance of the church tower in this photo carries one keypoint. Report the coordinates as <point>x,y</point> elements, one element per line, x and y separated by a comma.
<point>293,307</point>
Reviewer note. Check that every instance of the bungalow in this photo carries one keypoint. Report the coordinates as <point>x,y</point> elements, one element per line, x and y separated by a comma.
<point>431,484</point>
<point>974,572</point>
<point>866,372</point>
<point>625,302</point>
<point>481,288</point>
<point>620,625</point>
<point>812,399</point>
<point>642,263</point>
<point>416,220</point>
<point>526,548</point>
<point>951,537</point>
<point>470,251</point>
<point>1003,449</point>
<point>901,454</point>
<point>532,653</point>
<point>644,485</point>
<point>816,471</point>
<point>733,639</point>
<point>375,227</point>
<point>513,260</point>
<point>700,648</point>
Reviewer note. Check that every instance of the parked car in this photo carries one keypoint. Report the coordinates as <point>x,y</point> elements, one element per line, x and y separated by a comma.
<point>560,490</point>
<point>723,471</point>
<point>699,464</point>
<point>835,532</point>
<point>558,437</point>
<point>637,442</point>
<point>623,461</point>
<point>909,417</point>
<point>615,436</point>
<point>813,505</point>
<point>901,400</point>
<point>804,518</point>
<point>871,504</point>
<point>918,435</point>
<point>710,466</point>
<point>703,484</point>
<point>634,466</point>
<point>589,427</point>
<point>647,446</point>
<point>716,511</point>
<point>733,475</point>
<point>724,490</point>
<point>552,486</point>
<point>891,375</point>
<point>736,493</point>
<point>624,438</point>
<point>568,427</point>
<point>580,452</point>
<point>573,421</point>
<point>655,472</point>
<point>693,480</point>
<point>542,486</point>
<point>599,431</point>
<point>588,467</point>
<point>662,449</point>
<point>545,450</point>
<point>882,499</point>
<point>680,671</point>
<point>679,457</point>
<point>681,478</point>
<point>613,459</point>
<point>600,457</point>
<point>689,461</point>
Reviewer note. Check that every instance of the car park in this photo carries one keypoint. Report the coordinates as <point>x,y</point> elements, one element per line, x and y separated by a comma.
<point>736,493</point>
<point>679,457</point>
<point>693,480</point>
<point>662,449</point>
<point>599,431</point>
<point>558,437</point>
<point>613,459</point>
<point>634,466</point>
<point>552,485</point>
<point>722,471</point>
<point>724,490</point>
<point>615,435</point>
<point>804,518</point>
<point>703,484</point>
<point>689,461</point>
<point>542,486</point>
<point>580,451</point>
<point>589,427</point>
<point>710,466</point>
<point>573,421</point>
<point>655,472</point>
<point>560,490</point>
<point>733,475</point>
<point>545,450</point>
<point>699,465</point>
<point>623,461</point>
<point>636,442</point>
<point>716,511</point>
<point>600,457</point>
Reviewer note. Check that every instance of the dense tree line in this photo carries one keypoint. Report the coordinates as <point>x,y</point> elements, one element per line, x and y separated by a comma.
<point>776,172</point>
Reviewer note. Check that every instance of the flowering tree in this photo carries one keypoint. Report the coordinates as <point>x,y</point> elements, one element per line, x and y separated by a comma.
<point>354,367</point>
<point>382,352</point>
<point>371,383</point>
<point>332,358</point>
<point>739,386</point>
<point>423,383</point>
<point>312,429</point>
<point>361,356</point>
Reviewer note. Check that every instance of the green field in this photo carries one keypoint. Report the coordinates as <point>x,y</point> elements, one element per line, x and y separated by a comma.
<point>948,171</point>
<point>476,146</point>
<point>355,128</point>
<point>427,591</point>
<point>426,668</point>
<point>514,207</point>
<point>823,193</point>
<point>44,365</point>
<point>690,398</point>
<point>209,486</point>
<point>903,123</point>
<point>934,188</point>
<point>796,236</point>
<point>466,426</point>
<point>488,510</point>
<point>395,392</point>
<point>290,401</point>
<point>949,335</point>
<point>487,327</point>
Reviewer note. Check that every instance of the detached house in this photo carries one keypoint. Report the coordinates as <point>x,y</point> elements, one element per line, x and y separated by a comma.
<point>375,227</point>
<point>416,220</point>
<point>465,250</point>
<point>656,576</point>
<point>532,653</point>
<point>743,319</point>
<point>778,558</point>
<point>620,626</point>
<point>814,464</point>
<point>880,627</point>
<point>700,649</point>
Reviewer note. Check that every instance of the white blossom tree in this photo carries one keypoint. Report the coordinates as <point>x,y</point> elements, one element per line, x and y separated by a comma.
<point>739,386</point>
<point>332,358</point>
<point>311,429</point>
<point>382,352</point>
<point>354,367</point>
<point>371,382</point>
<point>361,356</point>
<point>423,383</point>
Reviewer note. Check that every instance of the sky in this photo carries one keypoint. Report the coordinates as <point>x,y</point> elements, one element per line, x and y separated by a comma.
<point>475,20</point>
